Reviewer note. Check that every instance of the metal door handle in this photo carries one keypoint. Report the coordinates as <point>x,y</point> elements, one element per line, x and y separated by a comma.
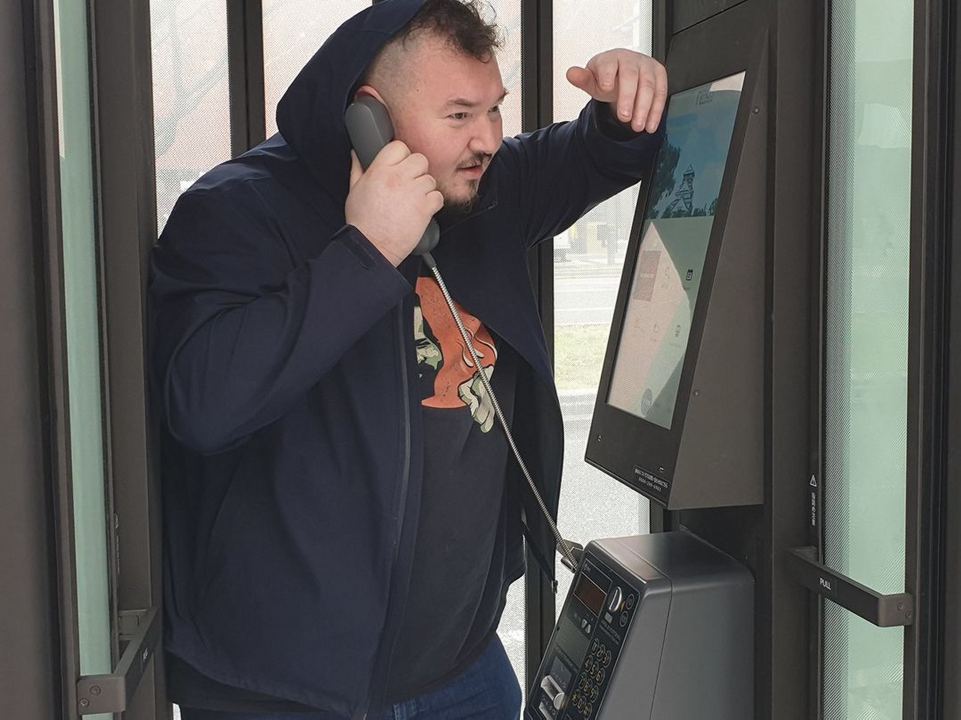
<point>111,693</point>
<point>882,610</point>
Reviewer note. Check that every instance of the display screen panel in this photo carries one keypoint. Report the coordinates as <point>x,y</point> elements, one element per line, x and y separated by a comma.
<point>590,594</point>
<point>674,240</point>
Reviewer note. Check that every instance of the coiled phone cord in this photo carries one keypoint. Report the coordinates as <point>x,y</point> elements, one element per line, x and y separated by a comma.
<point>571,552</point>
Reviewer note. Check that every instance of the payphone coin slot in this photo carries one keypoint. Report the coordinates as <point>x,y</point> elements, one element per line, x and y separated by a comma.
<point>616,600</point>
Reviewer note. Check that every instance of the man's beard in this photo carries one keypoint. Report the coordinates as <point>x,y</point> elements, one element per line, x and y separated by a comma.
<point>458,207</point>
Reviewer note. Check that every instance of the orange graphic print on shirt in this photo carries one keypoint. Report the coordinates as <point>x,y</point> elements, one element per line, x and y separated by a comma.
<point>443,358</point>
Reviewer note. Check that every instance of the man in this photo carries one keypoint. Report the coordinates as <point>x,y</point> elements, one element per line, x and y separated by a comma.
<point>342,517</point>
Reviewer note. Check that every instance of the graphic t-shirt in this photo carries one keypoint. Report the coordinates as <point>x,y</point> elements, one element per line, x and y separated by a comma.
<point>450,610</point>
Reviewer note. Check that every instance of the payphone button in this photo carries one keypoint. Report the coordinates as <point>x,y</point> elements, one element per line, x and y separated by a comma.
<point>631,599</point>
<point>546,711</point>
<point>607,658</point>
<point>624,618</point>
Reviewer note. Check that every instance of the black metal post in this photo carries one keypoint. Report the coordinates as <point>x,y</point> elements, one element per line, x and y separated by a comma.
<point>245,61</point>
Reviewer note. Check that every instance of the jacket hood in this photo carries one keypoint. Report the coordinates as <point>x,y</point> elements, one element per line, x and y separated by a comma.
<point>310,115</point>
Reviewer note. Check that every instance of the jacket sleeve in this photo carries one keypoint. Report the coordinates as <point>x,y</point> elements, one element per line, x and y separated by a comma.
<point>239,332</point>
<point>560,172</point>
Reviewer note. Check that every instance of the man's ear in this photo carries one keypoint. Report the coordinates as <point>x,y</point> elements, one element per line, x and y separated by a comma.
<point>369,91</point>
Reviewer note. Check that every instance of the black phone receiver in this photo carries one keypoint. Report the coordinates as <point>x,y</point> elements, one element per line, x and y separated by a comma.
<point>370,129</point>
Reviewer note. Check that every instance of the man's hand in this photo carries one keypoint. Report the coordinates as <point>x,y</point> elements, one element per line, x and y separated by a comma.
<point>393,201</point>
<point>634,84</point>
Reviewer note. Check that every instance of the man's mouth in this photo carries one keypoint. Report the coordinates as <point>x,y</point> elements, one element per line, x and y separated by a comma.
<point>475,168</point>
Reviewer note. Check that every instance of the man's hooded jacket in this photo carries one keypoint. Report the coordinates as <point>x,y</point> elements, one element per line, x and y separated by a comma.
<point>283,360</point>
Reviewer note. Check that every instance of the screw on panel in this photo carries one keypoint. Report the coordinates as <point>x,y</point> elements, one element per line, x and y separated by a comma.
<point>95,690</point>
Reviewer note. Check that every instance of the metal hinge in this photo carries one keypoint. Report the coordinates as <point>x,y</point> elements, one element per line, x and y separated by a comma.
<point>140,629</point>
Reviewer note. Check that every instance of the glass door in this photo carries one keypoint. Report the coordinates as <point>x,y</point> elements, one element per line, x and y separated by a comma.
<point>82,312</point>
<point>866,345</point>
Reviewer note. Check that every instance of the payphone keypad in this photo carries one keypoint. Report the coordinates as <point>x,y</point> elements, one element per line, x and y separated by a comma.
<point>597,617</point>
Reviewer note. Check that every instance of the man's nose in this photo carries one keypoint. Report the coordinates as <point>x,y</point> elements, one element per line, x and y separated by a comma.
<point>488,136</point>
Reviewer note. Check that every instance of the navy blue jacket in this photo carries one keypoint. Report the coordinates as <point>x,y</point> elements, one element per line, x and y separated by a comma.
<point>283,354</point>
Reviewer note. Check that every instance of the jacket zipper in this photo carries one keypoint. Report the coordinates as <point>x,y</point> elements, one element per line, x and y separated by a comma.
<point>402,512</point>
<point>405,400</point>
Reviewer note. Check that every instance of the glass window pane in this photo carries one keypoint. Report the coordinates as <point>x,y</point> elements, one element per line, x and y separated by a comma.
<point>507,13</point>
<point>191,93</point>
<point>81,302</point>
<point>293,31</point>
<point>869,208</point>
<point>587,268</point>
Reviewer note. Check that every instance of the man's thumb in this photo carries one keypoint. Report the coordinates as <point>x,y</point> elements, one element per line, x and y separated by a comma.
<point>581,78</point>
<point>356,171</point>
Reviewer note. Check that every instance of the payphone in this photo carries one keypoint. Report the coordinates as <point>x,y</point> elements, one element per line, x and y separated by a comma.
<point>655,626</point>
<point>661,627</point>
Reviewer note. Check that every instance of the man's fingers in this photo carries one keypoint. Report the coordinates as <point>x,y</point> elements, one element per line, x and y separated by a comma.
<point>642,107</point>
<point>426,182</point>
<point>604,68</point>
<point>435,199</point>
<point>414,165</point>
<point>634,84</point>
<point>627,80</point>
<point>393,153</point>
<point>660,99</point>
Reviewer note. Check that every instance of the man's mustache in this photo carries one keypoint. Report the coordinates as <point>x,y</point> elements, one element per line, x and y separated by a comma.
<point>481,160</point>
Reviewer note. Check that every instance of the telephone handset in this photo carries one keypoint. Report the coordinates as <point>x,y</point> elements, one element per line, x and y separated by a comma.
<point>369,128</point>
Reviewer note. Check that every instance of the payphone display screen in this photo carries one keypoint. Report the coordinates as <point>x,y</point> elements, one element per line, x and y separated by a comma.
<point>590,594</point>
<point>674,241</point>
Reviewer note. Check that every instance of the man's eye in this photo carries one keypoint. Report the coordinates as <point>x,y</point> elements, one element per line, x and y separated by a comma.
<point>458,116</point>
<point>496,109</point>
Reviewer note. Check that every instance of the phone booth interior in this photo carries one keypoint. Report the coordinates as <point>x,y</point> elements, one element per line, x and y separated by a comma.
<point>663,625</point>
